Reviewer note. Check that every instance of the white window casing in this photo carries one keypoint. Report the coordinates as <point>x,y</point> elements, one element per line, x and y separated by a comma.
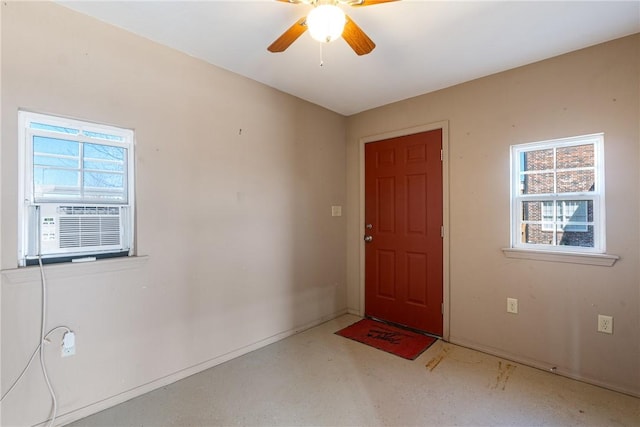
<point>558,205</point>
<point>76,189</point>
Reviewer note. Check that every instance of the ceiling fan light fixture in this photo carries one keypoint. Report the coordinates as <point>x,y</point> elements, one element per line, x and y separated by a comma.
<point>326,22</point>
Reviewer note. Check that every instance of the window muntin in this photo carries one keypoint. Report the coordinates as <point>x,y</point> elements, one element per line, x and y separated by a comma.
<point>557,195</point>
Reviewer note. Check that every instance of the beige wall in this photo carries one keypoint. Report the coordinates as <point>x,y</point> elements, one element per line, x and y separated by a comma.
<point>238,244</point>
<point>236,229</point>
<point>588,91</point>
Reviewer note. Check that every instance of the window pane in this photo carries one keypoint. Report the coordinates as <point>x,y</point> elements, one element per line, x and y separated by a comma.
<point>103,152</point>
<point>534,234</point>
<point>537,160</point>
<point>577,156</point>
<point>104,158</point>
<point>548,215</point>
<point>62,147</point>
<point>569,216</point>
<point>104,186</point>
<point>55,177</point>
<point>100,135</point>
<point>104,166</point>
<point>538,183</point>
<point>52,128</point>
<point>582,239</point>
<point>576,181</point>
<point>575,210</point>
<point>531,211</point>
<point>575,213</point>
<point>103,180</point>
<point>63,162</point>
<point>56,183</point>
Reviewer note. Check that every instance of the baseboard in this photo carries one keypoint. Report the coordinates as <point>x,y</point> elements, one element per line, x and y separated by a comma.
<point>101,405</point>
<point>544,366</point>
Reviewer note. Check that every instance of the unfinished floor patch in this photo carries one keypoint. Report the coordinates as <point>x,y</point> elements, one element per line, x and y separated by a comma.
<point>431,364</point>
<point>504,373</point>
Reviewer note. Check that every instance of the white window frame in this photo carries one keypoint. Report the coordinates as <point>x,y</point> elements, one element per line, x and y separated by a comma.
<point>29,206</point>
<point>597,197</point>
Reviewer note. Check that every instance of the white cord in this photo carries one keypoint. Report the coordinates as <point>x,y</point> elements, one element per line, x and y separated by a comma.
<point>42,342</point>
<point>33,356</point>
<point>40,348</point>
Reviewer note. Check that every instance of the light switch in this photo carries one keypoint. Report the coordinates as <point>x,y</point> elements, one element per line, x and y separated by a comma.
<point>336,210</point>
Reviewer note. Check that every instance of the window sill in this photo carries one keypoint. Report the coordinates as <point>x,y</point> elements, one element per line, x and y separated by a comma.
<point>605,260</point>
<point>69,269</point>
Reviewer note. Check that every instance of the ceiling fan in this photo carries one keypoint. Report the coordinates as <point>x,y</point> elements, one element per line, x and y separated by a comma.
<point>327,22</point>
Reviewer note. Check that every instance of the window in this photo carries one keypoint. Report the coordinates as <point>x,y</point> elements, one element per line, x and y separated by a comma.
<point>76,189</point>
<point>558,195</point>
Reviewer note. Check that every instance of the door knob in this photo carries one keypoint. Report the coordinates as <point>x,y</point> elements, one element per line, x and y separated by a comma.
<point>368,239</point>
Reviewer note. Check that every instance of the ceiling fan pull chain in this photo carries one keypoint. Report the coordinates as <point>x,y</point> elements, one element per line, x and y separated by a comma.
<point>321,59</point>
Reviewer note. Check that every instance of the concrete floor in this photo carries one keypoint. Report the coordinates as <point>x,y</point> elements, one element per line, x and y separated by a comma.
<point>318,378</point>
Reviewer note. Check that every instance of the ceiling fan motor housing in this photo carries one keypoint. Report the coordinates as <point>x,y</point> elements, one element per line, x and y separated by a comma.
<point>331,29</point>
<point>326,22</point>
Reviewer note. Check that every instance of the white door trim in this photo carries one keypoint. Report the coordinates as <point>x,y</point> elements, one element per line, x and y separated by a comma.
<point>444,125</point>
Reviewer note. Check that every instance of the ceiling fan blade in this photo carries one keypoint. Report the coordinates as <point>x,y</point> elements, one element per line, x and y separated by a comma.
<point>356,38</point>
<point>289,36</point>
<point>358,3</point>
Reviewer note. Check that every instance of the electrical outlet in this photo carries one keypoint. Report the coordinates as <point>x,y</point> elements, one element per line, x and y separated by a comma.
<point>512,305</point>
<point>605,324</point>
<point>68,344</point>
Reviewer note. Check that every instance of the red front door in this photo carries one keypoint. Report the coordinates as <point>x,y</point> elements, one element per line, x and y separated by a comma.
<point>403,220</point>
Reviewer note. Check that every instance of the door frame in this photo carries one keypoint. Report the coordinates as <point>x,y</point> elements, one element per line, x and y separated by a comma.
<point>444,125</point>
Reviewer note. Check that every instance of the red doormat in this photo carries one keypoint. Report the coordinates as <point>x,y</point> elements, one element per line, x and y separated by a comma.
<point>391,339</point>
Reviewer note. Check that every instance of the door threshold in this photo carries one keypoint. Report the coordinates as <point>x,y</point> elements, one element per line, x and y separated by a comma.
<point>400,325</point>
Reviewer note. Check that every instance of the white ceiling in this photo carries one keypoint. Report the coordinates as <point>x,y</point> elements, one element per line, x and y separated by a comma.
<point>422,46</point>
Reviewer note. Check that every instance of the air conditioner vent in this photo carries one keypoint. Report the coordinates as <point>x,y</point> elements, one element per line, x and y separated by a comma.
<point>89,210</point>
<point>88,226</point>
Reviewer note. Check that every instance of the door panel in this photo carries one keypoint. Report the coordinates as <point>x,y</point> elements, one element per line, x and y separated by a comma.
<point>416,204</point>
<point>386,274</point>
<point>386,194</point>
<point>416,278</point>
<point>403,203</point>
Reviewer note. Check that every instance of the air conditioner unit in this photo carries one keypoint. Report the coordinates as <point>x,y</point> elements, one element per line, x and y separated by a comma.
<point>67,230</point>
